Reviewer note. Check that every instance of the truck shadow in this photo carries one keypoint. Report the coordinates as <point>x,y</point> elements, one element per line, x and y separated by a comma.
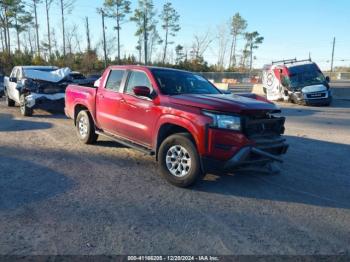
<point>314,173</point>
<point>9,124</point>
<point>23,182</point>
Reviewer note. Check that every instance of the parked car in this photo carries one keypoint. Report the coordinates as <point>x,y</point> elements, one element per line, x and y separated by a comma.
<point>1,85</point>
<point>38,86</point>
<point>79,78</point>
<point>300,82</point>
<point>190,126</point>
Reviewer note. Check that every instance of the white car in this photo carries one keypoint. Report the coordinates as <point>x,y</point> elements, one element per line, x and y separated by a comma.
<point>31,86</point>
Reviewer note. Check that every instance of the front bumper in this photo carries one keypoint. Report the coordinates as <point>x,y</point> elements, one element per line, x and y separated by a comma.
<point>309,99</point>
<point>55,101</point>
<point>263,152</point>
<point>318,102</point>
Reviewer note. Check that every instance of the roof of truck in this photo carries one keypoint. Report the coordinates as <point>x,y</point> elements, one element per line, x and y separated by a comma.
<point>146,67</point>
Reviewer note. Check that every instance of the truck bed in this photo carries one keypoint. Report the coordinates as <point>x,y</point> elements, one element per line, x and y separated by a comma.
<point>82,96</point>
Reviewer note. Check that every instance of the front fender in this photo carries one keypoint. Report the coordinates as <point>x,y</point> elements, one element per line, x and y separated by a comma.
<point>195,127</point>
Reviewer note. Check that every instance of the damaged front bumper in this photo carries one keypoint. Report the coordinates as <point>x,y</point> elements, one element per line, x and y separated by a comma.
<point>35,100</point>
<point>312,99</point>
<point>248,156</point>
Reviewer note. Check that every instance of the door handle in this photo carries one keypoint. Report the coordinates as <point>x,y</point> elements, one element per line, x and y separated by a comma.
<point>100,95</point>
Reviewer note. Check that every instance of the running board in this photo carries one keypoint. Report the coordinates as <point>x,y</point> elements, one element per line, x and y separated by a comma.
<point>126,143</point>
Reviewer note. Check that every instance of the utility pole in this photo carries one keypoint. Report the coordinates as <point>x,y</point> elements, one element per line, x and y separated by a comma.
<point>104,37</point>
<point>332,63</point>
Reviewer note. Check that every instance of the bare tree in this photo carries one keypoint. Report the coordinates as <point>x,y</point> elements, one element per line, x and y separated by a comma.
<point>2,41</point>
<point>30,39</point>
<point>72,39</point>
<point>34,5</point>
<point>222,44</point>
<point>200,44</point>
<point>48,4</point>
<point>66,7</point>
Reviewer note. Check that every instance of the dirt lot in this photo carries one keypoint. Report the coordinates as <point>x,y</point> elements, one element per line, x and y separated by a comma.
<point>61,197</point>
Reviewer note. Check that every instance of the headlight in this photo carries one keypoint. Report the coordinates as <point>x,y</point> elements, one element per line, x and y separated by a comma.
<point>224,121</point>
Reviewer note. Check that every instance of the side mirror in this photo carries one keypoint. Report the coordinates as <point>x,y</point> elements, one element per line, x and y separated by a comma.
<point>142,91</point>
<point>13,79</point>
<point>328,79</point>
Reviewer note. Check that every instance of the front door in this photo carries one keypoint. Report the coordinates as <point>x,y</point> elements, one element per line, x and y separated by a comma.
<point>12,89</point>
<point>138,115</point>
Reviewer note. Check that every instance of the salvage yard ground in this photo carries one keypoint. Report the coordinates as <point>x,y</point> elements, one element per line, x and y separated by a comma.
<point>61,197</point>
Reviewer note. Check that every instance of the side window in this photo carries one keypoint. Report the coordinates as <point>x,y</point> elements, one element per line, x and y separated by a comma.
<point>137,78</point>
<point>114,80</point>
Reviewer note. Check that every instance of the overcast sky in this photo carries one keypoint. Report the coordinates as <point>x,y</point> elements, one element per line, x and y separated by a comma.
<point>292,28</point>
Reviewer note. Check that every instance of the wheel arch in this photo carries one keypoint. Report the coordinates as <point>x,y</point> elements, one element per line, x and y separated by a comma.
<point>167,129</point>
<point>78,108</point>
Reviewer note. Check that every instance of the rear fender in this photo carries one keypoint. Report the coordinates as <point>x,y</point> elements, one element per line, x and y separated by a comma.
<point>82,103</point>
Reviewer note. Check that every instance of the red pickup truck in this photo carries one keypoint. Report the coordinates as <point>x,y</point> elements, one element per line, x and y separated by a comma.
<point>190,126</point>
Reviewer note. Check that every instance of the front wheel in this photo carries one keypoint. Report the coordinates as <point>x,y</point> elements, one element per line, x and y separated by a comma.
<point>86,128</point>
<point>9,101</point>
<point>179,161</point>
<point>25,111</point>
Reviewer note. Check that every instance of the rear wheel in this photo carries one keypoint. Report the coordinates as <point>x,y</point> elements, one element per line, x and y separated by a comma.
<point>179,161</point>
<point>25,111</point>
<point>86,128</point>
<point>9,101</point>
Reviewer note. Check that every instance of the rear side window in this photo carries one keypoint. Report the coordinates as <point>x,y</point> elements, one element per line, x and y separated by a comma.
<point>114,80</point>
<point>137,78</point>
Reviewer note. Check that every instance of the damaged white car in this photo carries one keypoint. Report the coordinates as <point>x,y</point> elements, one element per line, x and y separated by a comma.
<point>36,86</point>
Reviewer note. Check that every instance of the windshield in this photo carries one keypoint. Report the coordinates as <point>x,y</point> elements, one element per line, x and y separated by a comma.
<point>306,78</point>
<point>172,82</point>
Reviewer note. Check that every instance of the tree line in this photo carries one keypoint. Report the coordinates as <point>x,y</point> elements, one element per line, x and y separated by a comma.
<point>156,33</point>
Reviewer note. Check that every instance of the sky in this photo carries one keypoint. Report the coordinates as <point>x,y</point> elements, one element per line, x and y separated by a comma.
<point>291,28</point>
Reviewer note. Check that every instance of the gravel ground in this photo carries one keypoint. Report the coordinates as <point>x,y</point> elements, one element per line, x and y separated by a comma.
<point>61,197</point>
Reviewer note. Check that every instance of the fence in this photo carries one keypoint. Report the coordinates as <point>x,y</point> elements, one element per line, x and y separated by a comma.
<point>237,78</point>
<point>227,77</point>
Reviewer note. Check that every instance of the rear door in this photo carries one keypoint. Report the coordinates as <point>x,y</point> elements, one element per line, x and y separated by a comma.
<point>108,99</point>
<point>138,115</point>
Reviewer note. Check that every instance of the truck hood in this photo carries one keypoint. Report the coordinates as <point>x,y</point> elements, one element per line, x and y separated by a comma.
<point>224,103</point>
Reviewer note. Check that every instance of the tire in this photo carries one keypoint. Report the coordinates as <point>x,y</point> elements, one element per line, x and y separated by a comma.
<point>183,171</point>
<point>85,128</point>
<point>25,111</point>
<point>9,101</point>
